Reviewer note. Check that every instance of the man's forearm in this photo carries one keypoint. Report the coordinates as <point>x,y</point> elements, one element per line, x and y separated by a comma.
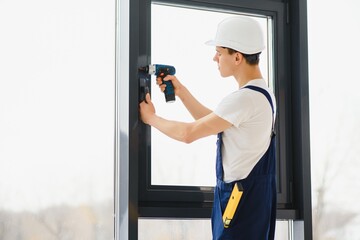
<point>196,109</point>
<point>173,129</point>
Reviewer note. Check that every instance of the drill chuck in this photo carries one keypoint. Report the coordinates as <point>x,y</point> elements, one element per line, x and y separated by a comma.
<point>151,69</point>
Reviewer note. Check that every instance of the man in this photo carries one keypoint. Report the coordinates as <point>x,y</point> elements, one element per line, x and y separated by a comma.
<point>244,122</point>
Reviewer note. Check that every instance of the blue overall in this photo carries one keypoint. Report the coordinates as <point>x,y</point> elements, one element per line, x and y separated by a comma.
<point>255,216</point>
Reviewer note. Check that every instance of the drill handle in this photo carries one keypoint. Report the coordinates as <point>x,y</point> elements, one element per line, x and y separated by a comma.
<point>169,89</point>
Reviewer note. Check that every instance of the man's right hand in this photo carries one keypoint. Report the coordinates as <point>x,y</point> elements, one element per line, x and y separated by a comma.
<point>196,109</point>
<point>176,83</point>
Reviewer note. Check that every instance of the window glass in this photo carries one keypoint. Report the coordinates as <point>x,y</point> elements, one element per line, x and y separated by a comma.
<point>334,119</point>
<point>177,38</point>
<point>56,119</point>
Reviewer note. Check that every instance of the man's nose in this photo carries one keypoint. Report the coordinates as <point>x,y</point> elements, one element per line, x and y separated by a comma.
<point>215,58</point>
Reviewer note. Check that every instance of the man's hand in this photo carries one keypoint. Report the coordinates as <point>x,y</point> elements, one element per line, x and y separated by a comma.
<point>147,110</point>
<point>176,83</point>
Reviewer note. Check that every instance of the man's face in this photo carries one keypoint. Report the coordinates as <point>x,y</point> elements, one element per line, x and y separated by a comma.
<point>225,61</point>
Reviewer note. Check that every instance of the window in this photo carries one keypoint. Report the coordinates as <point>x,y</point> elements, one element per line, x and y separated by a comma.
<point>146,189</point>
<point>57,120</point>
<point>189,174</point>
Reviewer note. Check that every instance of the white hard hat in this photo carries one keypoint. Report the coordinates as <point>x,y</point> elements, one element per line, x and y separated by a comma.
<point>242,34</point>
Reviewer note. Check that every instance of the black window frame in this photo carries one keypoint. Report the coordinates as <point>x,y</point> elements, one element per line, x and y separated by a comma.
<point>178,200</point>
<point>292,125</point>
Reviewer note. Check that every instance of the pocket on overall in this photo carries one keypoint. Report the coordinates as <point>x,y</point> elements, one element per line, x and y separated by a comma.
<point>253,216</point>
<point>224,195</point>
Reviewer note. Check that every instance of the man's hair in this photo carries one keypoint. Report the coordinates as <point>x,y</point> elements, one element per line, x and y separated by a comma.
<point>251,59</point>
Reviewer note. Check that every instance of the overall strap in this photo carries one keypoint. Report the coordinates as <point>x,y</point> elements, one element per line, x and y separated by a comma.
<point>219,166</point>
<point>267,95</point>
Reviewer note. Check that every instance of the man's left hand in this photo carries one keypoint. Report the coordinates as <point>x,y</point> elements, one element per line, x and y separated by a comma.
<point>147,109</point>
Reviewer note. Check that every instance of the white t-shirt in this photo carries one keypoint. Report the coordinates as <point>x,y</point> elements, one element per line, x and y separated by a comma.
<point>247,140</point>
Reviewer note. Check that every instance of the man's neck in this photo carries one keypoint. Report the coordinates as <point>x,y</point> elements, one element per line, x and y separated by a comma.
<point>247,74</point>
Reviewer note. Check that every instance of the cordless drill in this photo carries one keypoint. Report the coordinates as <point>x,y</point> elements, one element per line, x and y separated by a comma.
<point>162,71</point>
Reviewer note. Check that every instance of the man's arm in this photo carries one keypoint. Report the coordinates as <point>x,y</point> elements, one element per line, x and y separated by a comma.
<point>181,131</point>
<point>196,109</point>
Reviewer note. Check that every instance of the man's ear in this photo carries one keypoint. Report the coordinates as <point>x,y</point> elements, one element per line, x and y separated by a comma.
<point>238,58</point>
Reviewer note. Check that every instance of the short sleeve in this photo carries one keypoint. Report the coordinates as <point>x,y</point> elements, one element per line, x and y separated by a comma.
<point>236,108</point>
